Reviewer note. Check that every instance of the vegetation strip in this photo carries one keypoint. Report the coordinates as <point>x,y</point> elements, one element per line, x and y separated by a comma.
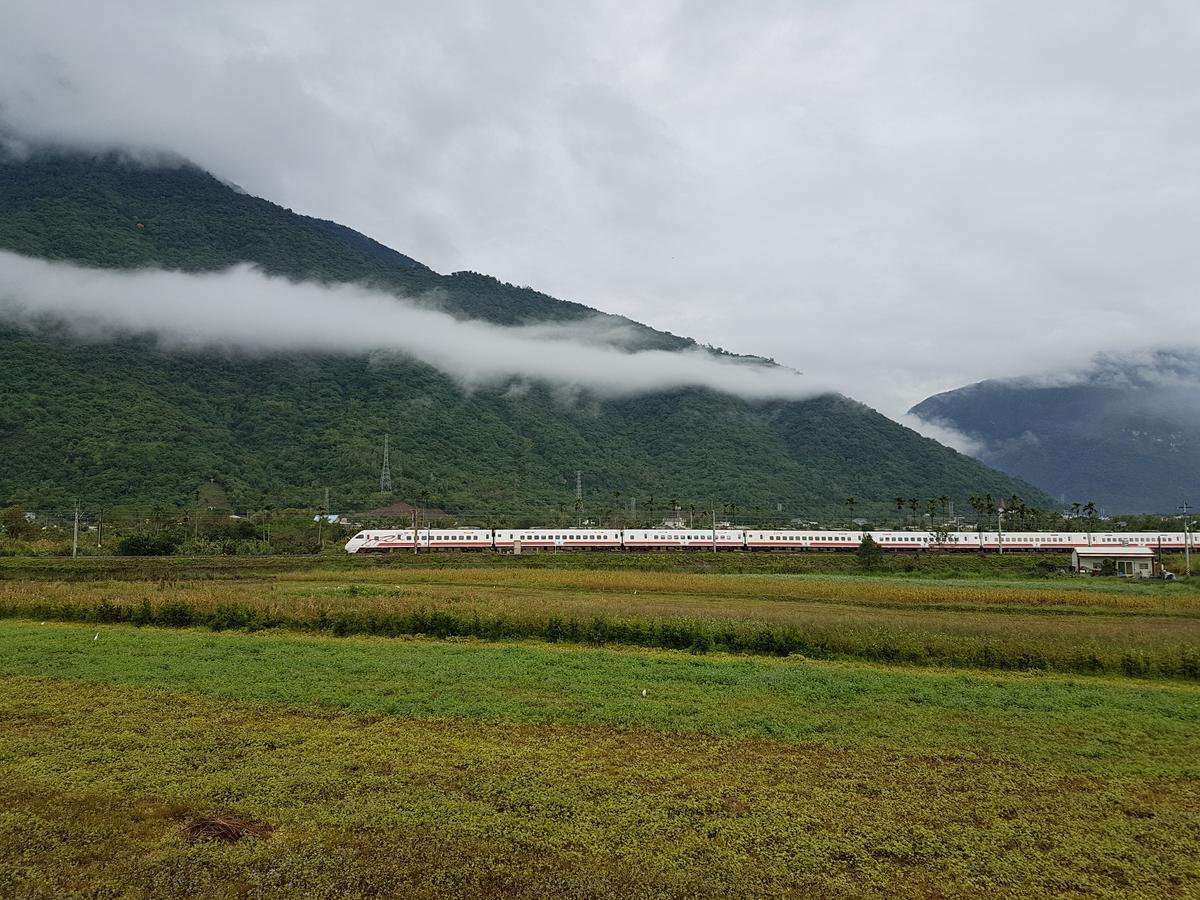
<point>1144,631</point>
<point>1112,722</point>
<point>99,789</point>
<point>905,565</point>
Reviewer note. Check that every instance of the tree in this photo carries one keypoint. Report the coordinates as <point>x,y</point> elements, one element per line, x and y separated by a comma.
<point>147,543</point>
<point>16,525</point>
<point>1034,514</point>
<point>1014,504</point>
<point>869,553</point>
<point>912,505</point>
<point>850,502</point>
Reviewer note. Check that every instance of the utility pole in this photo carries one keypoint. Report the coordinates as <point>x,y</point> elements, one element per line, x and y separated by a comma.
<point>385,474</point>
<point>1000,527</point>
<point>75,539</point>
<point>714,523</point>
<point>1187,542</point>
<point>100,530</point>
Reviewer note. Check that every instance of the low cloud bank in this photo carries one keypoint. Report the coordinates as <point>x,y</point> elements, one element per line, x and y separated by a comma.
<point>244,309</point>
<point>944,433</point>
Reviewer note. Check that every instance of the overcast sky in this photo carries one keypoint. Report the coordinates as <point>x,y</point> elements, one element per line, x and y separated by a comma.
<point>894,197</point>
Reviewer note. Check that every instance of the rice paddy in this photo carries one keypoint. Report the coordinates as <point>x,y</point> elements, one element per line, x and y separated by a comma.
<point>432,730</point>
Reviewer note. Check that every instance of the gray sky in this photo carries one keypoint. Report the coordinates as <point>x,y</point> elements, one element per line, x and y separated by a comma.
<point>893,197</point>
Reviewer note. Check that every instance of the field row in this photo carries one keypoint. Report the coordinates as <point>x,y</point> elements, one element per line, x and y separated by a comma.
<point>431,768</point>
<point>1143,630</point>
<point>899,564</point>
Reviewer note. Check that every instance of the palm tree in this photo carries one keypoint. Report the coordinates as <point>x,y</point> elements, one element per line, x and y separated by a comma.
<point>912,505</point>
<point>944,503</point>
<point>850,502</point>
<point>1035,515</point>
<point>1089,510</point>
<point>899,504</point>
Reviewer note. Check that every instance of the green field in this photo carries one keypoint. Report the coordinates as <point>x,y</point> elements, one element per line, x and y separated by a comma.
<point>432,729</point>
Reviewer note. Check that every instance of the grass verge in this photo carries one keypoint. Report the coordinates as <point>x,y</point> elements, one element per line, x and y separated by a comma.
<point>425,768</point>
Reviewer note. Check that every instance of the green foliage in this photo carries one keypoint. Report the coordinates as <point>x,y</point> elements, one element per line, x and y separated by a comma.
<point>145,543</point>
<point>869,554</point>
<point>16,525</point>
<point>126,422</point>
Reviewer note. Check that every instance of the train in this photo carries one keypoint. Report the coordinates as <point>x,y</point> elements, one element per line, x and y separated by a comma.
<point>520,540</point>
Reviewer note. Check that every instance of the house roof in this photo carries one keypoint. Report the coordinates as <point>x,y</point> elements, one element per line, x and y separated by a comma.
<point>1114,551</point>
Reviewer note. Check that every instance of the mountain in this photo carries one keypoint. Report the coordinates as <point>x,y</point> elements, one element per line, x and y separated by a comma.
<point>123,420</point>
<point>1124,432</point>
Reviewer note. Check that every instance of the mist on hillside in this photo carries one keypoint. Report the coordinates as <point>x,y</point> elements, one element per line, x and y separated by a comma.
<point>246,310</point>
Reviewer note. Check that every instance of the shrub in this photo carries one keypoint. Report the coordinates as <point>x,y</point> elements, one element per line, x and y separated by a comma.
<point>144,543</point>
<point>869,554</point>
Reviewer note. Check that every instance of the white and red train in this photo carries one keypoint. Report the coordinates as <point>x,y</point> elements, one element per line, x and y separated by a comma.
<point>531,539</point>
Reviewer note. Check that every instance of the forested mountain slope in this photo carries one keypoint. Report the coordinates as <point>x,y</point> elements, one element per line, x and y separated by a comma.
<point>1125,433</point>
<point>125,421</point>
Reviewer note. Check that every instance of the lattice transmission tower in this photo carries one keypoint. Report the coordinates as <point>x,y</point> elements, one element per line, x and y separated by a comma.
<point>385,474</point>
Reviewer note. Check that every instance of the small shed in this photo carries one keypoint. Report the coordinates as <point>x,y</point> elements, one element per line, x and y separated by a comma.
<point>1132,562</point>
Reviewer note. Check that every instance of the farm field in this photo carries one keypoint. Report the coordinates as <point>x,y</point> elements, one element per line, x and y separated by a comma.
<point>442,730</point>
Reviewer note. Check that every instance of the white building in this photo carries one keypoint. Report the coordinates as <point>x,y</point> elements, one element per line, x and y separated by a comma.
<point>1134,562</point>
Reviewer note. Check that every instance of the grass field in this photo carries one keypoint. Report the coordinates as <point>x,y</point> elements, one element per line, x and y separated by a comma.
<point>524,760</point>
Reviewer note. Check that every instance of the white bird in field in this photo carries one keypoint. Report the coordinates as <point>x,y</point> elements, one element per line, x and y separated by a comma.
<point>644,694</point>
<point>96,636</point>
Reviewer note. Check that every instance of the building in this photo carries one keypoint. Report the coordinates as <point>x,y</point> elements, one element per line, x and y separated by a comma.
<point>1135,562</point>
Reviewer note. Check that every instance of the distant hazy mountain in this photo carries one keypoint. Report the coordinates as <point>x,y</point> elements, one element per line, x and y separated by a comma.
<point>1125,432</point>
<point>127,421</point>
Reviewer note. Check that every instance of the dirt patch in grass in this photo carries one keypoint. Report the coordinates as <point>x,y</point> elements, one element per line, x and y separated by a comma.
<point>228,828</point>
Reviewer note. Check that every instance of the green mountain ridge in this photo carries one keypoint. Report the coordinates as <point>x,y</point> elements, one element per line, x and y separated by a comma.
<point>127,421</point>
